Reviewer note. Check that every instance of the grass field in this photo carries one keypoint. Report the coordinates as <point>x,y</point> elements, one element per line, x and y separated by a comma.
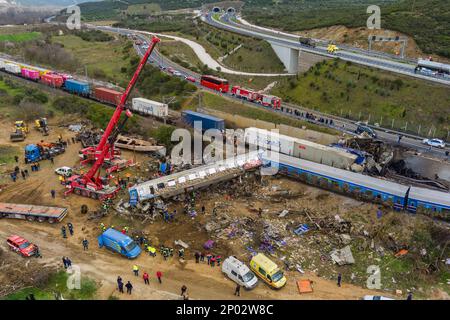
<point>143,9</point>
<point>363,93</point>
<point>180,53</point>
<point>7,154</point>
<point>219,103</point>
<point>20,37</point>
<point>58,283</point>
<point>104,60</point>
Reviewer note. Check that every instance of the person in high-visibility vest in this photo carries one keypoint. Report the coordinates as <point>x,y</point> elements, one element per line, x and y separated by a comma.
<point>151,250</point>
<point>136,270</point>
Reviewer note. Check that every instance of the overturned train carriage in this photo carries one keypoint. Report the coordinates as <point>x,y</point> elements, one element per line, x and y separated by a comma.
<point>197,178</point>
<point>362,187</point>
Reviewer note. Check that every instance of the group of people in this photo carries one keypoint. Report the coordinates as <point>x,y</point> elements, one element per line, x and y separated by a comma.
<point>67,262</point>
<point>18,171</point>
<point>64,232</point>
<point>145,277</point>
<point>210,258</point>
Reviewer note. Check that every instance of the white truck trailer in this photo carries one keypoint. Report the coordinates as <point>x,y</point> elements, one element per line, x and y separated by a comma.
<point>150,108</point>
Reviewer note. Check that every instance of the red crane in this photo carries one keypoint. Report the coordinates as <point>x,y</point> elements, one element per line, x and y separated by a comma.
<point>91,184</point>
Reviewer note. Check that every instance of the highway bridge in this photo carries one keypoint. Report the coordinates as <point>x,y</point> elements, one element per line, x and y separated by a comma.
<point>288,47</point>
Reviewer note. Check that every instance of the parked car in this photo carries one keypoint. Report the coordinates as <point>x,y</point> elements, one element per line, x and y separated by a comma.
<point>64,171</point>
<point>189,78</point>
<point>170,70</point>
<point>361,128</point>
<point>376,298</point>
<point>21,246</point>
<point>239,273</point>
<point>177,73</point>
<point>438,143</point>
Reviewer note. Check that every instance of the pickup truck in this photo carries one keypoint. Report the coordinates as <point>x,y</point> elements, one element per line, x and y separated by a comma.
<point>21,246</point>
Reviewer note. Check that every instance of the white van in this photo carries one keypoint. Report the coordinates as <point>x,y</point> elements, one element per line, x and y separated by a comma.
<point>239,272</point>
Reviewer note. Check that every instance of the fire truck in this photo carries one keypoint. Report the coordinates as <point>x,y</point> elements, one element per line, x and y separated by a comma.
<point>255,96</point>
<point>246,94</point>
<point>270,101</point>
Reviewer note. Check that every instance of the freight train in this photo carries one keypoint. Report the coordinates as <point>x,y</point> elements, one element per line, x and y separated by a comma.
<point>112,97</point>
<point>362,187</point>
<point>61,81</point>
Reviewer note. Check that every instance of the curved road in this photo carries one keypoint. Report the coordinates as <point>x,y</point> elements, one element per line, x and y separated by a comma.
<point>198,49</point>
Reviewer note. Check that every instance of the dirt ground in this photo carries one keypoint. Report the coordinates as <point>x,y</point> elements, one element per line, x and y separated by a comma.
<point>357,37</point>
<point>203,281</point>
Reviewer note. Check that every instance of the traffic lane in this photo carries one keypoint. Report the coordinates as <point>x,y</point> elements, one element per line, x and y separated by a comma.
<point>375,62</point>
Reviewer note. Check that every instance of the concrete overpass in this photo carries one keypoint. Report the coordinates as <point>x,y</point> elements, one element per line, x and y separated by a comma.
<point>286,46</point>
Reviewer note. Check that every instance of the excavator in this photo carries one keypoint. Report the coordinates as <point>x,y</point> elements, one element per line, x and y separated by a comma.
<point>91,184</point>
<point>41,125</point>
<point>20,131</point>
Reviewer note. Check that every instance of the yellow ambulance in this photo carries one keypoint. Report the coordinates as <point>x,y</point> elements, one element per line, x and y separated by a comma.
<point>268,271</point>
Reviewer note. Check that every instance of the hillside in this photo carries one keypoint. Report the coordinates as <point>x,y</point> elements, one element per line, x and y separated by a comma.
<point>427,21</point>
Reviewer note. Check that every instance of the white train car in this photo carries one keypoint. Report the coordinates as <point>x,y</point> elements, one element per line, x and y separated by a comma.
<point>299,148</point>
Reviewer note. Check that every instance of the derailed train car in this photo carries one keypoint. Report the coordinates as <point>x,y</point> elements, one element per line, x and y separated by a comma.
<point>362,187</point>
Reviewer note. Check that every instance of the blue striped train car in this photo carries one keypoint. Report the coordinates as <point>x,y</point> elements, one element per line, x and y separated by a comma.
<point>431,202</point>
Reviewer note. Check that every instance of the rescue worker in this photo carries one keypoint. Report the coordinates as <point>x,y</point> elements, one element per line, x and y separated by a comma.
<point>218,259</point>
<point>102,227</point>
<point>208,257</point>
<point>213,261</point>
<point>120,284</point>
<point>237,291</point>
<point>183,290</point>
<point>61,180</point>
<point>145,277</point>
<point>159,276</point>
<point>136,270</point>
<point>152,251</point>
<point>197,257</point>
<point>129,287</point>
<point>202,256</point>
<point>203,209</point>
<point>63,231</point>
<point>339,279</point>
<point>64,262</point>
<point>69,262</point>
<point>70,226</point>
<point>53,193</point>
<point>85,244</point>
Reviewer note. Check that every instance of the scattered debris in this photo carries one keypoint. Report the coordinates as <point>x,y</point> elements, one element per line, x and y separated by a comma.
<point>342,256</point>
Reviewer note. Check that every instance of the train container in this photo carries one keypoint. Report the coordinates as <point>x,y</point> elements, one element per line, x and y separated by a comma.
<point>107,95</point>
<point>77,87</point>
<point>52,80</point>
<point>243,93</point>
<point>30,74</point>
<point>266,139</point>
<point>12,68</point>
<point>150,108</point>
<point>299,148</point>
<point>206,121</point>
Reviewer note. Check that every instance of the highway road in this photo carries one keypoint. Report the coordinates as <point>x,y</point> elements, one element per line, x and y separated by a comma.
<point>283,39</point>
<point>341,124</point>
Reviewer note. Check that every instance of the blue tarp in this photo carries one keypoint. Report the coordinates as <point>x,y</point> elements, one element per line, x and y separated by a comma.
<point>302,229</point>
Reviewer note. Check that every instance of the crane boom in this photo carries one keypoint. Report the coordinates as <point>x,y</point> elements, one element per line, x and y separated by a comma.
<point>106,141</point>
